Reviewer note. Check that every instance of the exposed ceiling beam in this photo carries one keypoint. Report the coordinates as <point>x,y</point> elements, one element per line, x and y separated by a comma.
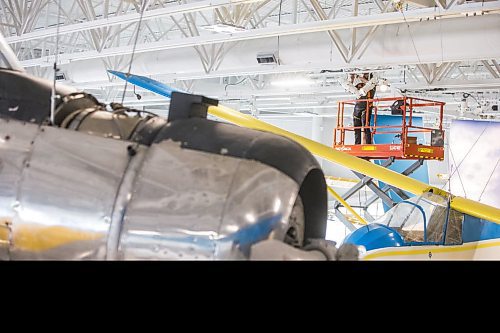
<point>497,66</point>
<point>127,19</point>
<point>490,69</point>
<point>336,39</point>
<point>292,29</point>
<point>422,3</point>
<point>440,3</point>
<point>454,84</point>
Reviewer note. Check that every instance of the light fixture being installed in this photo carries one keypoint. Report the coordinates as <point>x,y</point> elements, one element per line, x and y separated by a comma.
<point>224,28</point>
<point>383,85</point>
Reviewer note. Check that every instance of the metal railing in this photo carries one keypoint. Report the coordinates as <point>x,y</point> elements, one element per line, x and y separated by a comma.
<point>409,104</point>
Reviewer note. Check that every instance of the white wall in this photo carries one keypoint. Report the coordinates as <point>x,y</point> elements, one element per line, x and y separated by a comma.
<point>475,148</point>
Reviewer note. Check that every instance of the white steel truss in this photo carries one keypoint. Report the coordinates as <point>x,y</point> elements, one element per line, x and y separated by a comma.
<point>92,32</point>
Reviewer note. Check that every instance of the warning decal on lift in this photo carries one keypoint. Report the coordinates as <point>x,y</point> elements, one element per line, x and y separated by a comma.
<point>425,150</point>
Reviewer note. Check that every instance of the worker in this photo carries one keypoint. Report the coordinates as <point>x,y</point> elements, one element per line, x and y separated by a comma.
<point>363,109</point>
<point>364,87</point>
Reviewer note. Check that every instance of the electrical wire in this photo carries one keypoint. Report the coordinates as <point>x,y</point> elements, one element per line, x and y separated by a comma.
<point>458,173</point>
<point>466,95</point>
<point>56,58</point>
<point>463,159</point>
<point>234,84</point>
<point>411,36</point>
<point>143,9</point>
<point>279,24</point>
<point>142,111</point>
<point>441,36</point>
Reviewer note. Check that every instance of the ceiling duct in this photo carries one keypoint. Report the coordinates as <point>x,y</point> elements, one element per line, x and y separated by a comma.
<point>266,58</point>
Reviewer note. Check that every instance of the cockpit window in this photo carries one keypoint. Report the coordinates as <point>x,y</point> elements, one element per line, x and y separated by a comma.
<point>424,219</point>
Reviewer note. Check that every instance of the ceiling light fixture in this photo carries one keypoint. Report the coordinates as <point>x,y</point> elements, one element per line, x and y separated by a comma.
<point>384,87</point>
<point>292,82</point>
<point>224,28</point>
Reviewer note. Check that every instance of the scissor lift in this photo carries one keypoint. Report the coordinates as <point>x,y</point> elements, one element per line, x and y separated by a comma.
<point>406,146</point>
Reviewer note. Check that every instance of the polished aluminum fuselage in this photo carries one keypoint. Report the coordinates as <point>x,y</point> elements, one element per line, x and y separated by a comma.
<point>70,195</point>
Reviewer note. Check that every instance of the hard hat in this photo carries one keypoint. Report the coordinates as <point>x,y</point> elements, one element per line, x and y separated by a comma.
<point>357,81</point>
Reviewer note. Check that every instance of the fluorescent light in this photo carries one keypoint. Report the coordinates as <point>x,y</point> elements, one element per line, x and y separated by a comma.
<point>224,28</point>
<point>292,82</point>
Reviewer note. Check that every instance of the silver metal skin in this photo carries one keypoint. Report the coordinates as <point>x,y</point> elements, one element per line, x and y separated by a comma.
<point>15,150</point>
<point>66,196</point>
<point>194,205</point>
<point>69,195</point>
<point>122,199</point>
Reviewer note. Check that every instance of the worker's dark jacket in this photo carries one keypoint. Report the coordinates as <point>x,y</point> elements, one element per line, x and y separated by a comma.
<point>360,106</point>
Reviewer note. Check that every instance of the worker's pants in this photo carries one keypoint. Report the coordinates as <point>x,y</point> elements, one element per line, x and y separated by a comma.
<point>358,122</point>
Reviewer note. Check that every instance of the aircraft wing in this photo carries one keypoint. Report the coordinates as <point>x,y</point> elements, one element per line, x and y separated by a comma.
<point>146,83</point>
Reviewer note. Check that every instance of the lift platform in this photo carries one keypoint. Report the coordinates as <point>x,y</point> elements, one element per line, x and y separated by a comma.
<point>405,144</point>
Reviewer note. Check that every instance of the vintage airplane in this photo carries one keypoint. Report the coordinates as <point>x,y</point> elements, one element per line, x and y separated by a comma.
<point>80,181</point>
<point>426,228</point>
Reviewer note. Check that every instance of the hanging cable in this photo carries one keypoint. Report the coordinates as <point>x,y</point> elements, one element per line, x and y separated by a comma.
<point>53,93</point>
<point>467,95</point>
<point>279,24</point>
<point>411,35</point>
<point>234,84</point>
<point>463,159</point>
<point>441,36</point>
<point>458,173</point>
<point>488,181</point>
<point>144,4</point>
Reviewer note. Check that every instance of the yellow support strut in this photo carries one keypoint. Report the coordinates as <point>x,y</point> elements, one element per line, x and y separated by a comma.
<point>405,183</point>
<point>346,205</point>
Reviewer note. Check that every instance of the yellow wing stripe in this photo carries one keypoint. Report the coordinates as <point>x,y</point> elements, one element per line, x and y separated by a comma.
<point>346,205</point>
<point>36,238</point>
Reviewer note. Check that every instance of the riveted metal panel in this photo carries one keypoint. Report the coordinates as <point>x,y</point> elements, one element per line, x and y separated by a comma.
<point>15,146</point>
<point>189,204</point>
<point>177,204</point>
<point>66,196</point>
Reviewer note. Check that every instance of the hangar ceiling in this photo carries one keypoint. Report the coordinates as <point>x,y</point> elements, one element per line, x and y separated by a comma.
<point>429,48</point>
